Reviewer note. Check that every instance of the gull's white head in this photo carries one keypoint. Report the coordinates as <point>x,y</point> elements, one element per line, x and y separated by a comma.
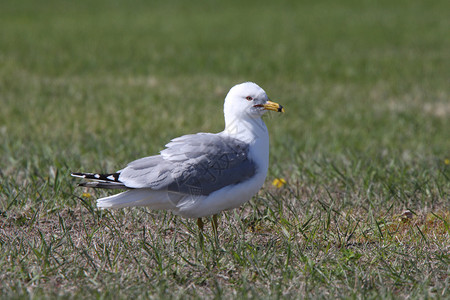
<point>247,101</point>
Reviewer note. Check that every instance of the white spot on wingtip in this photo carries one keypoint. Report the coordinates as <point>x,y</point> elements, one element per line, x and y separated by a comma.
<point>78,175</point>
<point>110,177</point>
<point>97,176</point>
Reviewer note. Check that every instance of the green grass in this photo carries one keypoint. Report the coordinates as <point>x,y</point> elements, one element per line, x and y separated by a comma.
<point>90,86</point>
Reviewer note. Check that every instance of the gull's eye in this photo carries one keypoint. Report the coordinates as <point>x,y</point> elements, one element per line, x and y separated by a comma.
<point>249,98</point>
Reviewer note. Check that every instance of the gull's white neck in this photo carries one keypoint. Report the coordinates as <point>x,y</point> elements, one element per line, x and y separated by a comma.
<point>247,130</point>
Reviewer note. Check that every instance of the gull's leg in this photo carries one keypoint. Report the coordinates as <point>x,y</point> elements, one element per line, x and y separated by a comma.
<point>200,232</point>
<point>200,224</point>
<point>215,224</point>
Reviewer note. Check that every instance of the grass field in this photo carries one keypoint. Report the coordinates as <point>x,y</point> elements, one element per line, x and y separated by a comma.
<point>364,147</point>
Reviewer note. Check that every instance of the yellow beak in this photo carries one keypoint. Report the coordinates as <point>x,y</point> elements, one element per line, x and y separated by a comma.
<point>273,106</point>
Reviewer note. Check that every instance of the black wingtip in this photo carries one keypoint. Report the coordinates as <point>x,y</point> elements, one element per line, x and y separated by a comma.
<point>110,177</point>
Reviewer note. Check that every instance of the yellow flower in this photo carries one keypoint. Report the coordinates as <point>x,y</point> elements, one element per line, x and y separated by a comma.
<point>86,195</point>
<point>278,182</point>
<point>447,161</point>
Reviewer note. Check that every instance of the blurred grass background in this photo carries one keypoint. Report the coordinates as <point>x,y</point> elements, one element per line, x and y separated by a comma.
<point>92,85</point>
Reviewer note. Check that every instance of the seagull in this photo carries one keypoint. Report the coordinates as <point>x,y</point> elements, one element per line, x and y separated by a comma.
<point>199,175</point>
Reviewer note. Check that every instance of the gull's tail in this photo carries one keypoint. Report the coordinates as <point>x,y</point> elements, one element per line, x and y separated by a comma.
<point>104,181</point>
<point>137,197</point>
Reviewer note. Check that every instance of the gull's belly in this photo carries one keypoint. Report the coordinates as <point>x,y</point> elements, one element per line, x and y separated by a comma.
<point>224,199</point>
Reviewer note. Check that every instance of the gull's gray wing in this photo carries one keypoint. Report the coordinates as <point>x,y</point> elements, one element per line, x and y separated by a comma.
<point>196,164</point>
